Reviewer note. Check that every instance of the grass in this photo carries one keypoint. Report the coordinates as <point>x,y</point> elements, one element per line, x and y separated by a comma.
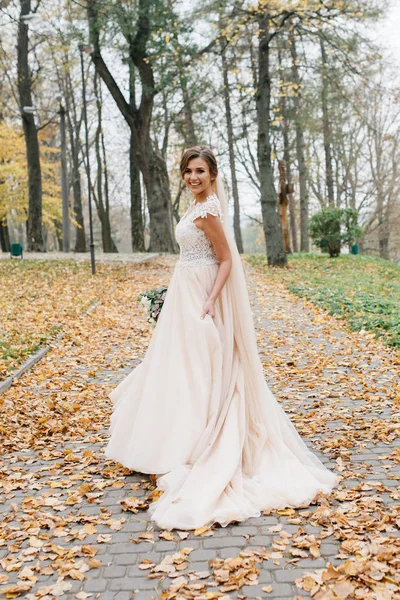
<point>363,290</point>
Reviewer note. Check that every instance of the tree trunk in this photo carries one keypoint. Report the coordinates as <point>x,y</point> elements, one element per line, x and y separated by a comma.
<point>228,114</point>
<point>290,187</point>
<point>4,237</point>
<point>283,205</point>
<point>382,213</point>
<point>152,166</point>
<point>326,127</point>
<point>137,225</point>
<point>176,202</point>
<point>58,236</point>
<point>189,130</point>
<point>137,228</point>
<point>159,203</point>
<point>34,226</point>
<point>75,147</point>
<point>301,160</point>
<point>21,234</point>
<point>80,235</point>
<point>74,126</point>
<point>102,204</point>
<point>287,157</point>
<point>272,228</point>
<point>384,235</point>
<point>113,247</point>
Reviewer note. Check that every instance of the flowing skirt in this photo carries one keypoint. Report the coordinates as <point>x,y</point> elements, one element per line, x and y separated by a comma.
<point>181,415</point>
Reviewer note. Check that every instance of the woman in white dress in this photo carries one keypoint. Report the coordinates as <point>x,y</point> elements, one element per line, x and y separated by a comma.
<point>197,411</point>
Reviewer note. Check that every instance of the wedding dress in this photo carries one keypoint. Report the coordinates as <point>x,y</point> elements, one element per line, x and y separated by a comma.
<point>197,411</point>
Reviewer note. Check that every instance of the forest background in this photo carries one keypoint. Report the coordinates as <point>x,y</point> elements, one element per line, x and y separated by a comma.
<point>314,85</point>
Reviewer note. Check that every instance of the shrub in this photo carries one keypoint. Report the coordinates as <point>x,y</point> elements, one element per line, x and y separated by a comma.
<point>331,227</point>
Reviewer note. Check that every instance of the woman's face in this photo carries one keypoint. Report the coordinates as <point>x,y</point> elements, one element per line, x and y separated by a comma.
<point>197,176</point>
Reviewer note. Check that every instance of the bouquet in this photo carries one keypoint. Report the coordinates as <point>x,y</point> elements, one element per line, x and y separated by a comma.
<point>153,301</point>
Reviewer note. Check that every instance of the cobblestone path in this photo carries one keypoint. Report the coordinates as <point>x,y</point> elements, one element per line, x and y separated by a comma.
<point>314,366</point>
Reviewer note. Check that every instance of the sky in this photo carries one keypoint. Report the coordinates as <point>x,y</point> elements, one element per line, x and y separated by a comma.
<point>388,30</point>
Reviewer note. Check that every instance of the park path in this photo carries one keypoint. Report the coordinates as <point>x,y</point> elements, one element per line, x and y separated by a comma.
<point>62,514</point>
<point>108,257</point>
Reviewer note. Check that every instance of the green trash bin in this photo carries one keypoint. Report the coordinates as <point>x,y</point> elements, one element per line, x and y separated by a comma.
<point>354,249</point>
<point>16,251</point>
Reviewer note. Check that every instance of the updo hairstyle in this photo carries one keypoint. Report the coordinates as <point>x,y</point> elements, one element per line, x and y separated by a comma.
<point>203,152</point>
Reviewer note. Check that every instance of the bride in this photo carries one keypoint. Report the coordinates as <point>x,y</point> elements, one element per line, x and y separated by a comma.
<point>197,411</point>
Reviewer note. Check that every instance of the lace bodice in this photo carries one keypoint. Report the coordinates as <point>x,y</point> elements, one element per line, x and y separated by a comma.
<point>196,249</point>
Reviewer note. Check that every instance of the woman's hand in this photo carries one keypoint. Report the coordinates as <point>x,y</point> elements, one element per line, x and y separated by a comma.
<point>209,309</point>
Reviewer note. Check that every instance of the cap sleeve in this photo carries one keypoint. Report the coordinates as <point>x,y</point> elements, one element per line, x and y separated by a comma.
<point>211,206</point>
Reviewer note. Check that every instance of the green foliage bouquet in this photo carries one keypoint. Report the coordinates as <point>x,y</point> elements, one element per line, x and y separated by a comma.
<point>153,301</point>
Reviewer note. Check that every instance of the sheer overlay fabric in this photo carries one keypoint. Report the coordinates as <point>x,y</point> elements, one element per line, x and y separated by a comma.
<point>197,411</point>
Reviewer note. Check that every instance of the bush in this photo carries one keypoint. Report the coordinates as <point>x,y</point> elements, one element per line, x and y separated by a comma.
<point>331,227</point>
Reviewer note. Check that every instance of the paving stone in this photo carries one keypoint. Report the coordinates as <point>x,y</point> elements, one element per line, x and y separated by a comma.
<point>96,585</point>
<point>311,529</point>
<point>265,576</point>
<point>118,537</point>
<point>299,592</point>
<point>202,554</point>
<point>134,526</point>
<point>143,596</point>
<point>311,563</point>
<point>211,542</point>
<point>111,595</point>
<point>263,540</point>
<point>152,555</point>
<point>229,552</point>
<point>262,521</point>
<point>243,530</point>
<point>270,566</point>
<point>148,583</point>
<point>251,591</point>
<point>135,572</point>
<point>125,560</point>
<point>281,590</point>
<point>165,546</point>
<point>124,584</point>
<point>103,549</point>
<point>288,575</point>
<point>190,543</point>
<point>132,548</point>
<point>199,566</point>
<point>114,571</point>
<point>329,549</point>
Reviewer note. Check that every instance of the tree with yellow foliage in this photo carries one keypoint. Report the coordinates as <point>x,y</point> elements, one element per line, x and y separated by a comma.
<point>14,180</point>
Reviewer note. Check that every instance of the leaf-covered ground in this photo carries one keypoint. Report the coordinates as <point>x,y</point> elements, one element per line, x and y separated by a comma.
<point>364,290</point>
<point>38,299</point>
<point>76,525</point>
